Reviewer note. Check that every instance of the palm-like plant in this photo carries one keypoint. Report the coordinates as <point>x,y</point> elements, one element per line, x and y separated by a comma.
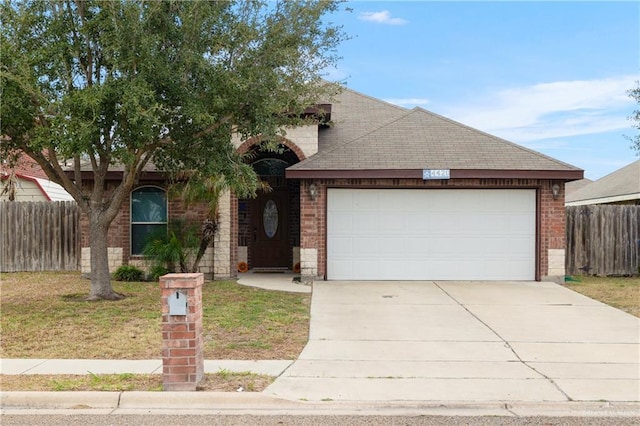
<point>171,248</point>
<point>201,187</point>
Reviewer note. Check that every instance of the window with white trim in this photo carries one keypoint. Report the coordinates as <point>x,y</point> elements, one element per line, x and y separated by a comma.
<point>148,215</point>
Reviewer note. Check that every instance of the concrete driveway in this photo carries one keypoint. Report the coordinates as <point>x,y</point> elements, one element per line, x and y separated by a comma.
<point>463,341</point>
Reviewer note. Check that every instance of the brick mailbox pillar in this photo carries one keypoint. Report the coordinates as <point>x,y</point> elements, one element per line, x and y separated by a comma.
<point>182,340</point>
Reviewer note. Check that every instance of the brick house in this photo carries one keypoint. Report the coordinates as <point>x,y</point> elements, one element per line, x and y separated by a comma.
<point>382,193</point>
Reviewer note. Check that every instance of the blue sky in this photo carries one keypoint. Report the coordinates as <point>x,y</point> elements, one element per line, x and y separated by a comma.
<point>549,75</point>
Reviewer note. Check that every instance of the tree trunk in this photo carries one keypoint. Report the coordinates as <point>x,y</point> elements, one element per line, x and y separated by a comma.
<point>209,229</point>
<point>204,243</point>
<point>101,288</point>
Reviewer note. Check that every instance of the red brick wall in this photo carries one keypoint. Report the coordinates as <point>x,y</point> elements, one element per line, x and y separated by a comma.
<point>120,229</point>
<point>551,212</point>
<point>552,222</point>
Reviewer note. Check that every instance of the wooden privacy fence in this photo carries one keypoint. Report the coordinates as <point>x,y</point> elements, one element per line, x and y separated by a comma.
<point>603,240</point>
<point>39,236</point>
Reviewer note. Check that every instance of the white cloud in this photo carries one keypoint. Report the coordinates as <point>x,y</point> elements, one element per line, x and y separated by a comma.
<point>382,17</point>
<point>407,102</point>
<point>548,110</point>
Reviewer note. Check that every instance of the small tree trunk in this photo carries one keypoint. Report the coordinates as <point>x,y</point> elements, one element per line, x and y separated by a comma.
<point>204,243</point>
<point>209,229</point>
<point>101,288</point>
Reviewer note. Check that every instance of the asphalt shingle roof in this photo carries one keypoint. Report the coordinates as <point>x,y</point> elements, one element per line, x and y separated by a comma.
<point>355,114</point>
<point>393,138</point>
<point>622,182</point>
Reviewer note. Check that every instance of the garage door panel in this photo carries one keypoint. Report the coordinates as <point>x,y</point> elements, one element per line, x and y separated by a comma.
<point>366,247</point>
<point>517,223</point>
<point>367,200</point>
<point>431,234</point>
<point>341,222</point>
<point>342,268</point>
<point>342,247</point>
<point>367,223</point>
<point>391,223</point>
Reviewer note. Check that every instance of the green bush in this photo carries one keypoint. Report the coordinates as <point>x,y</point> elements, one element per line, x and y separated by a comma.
<point>171,248</point>
<point>156,272</point>
<point>128,273</point>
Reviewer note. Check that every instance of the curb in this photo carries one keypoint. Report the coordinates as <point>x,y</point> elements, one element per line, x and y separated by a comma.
<point>132,402</point>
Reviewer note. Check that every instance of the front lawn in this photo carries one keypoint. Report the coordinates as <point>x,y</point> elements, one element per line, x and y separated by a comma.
<point>44,316</point>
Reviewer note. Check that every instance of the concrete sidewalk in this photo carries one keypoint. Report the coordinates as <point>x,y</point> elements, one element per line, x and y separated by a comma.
<point>112,366</point>
<point>477,349</point>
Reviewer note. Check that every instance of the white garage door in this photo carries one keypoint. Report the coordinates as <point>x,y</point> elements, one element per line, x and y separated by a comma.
<point>437,234</point>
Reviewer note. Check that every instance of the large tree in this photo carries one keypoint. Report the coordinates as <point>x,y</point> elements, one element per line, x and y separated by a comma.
<point>105,84</point>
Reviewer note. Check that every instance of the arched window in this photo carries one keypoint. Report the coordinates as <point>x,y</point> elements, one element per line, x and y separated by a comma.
<point>270,167</point>
<point>148,215</point>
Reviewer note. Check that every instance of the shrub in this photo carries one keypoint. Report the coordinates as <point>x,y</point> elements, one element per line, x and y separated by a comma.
<point>156,272</point>
<point>171,248</point>
<point>128,273</point>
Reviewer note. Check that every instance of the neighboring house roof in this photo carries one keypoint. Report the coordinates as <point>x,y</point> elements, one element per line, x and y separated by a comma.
<point>32,188</point>
<point>621,185</point>
<point>571,187</point>
<point>25,166</point>
<point>401,143</point>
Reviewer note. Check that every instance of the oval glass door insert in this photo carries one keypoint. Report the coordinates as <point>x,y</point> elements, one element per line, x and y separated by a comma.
<point>270,218</point>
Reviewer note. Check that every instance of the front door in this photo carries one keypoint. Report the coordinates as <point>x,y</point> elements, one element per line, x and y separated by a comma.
<point>270,230</point>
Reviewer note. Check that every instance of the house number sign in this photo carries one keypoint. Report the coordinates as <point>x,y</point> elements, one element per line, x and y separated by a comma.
<point>434,174</point>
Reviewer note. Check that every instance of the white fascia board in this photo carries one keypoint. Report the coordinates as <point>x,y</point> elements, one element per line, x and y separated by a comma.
<point>604,200</point>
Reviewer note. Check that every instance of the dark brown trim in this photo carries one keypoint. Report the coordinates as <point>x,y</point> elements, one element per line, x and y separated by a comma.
<point>437,188</point>
<point>353,174</point>
<point>115,175</point>
<point>322,111</point>
<point>31,179</point>
<point>567,175</point>
<point>518,174</point>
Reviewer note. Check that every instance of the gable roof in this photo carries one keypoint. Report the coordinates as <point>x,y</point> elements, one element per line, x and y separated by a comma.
<point>355,114</point>
<point>43,189</point>
<point>571,187</point>
<point>407,141</point>
<point>621,185</point>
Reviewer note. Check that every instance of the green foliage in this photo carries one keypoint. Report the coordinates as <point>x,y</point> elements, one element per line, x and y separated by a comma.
<point>128,273</point>
<point>105,83</point>
<point>169,250</point>
<point>156,271</point>
<point>118,81</point>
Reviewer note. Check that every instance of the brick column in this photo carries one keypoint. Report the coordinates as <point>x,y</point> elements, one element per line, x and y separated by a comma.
<point>182,339</point>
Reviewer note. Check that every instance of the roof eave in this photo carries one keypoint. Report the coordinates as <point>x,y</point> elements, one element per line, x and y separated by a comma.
<point>566,175</point>
<point>117,175</point>
<point>604,200</point>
